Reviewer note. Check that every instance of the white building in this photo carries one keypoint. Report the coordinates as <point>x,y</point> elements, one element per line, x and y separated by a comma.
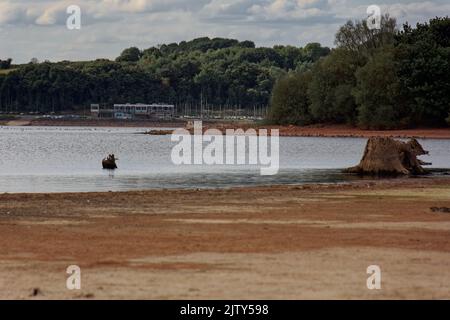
<point>134,111</point>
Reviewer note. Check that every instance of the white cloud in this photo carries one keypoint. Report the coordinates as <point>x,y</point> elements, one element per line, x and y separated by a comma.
<point>290,10</point>
<point>417,10</point>
<point>37,27</point>
<point>52,14</point>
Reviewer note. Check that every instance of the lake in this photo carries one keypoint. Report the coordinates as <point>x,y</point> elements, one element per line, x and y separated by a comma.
<point>68,159</point>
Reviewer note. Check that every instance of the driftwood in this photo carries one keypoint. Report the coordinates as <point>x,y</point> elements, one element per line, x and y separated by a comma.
<point>386,156</point>
<point>159,132</point>
<point>110,162</point>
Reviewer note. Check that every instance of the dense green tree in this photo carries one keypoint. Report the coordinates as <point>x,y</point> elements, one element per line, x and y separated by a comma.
<point>378,93</point>
<point>331,84</point>
<point>358,38</point>
<point>132,54</point>
<point>5,64</point>
<point>290,101</point>
<point>381,78</point>
<point>314,51</point>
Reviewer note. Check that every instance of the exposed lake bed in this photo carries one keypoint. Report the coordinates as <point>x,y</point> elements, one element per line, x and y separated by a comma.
<point>202,232</point>
<point>292,242</point>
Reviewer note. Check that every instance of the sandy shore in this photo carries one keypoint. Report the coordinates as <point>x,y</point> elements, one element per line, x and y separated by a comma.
<point>93,123</point>
<point>16,123</point>
<point>345,131</point>
<point>339,131</point>
<point>288,242</point>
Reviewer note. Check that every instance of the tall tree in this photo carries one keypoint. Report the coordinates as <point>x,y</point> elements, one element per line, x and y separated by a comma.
<point>424,71</point>
<point>332,81</point>
<point>378,93</point>
<point>5,64</point>
<point>357,37</point>
<point>132,54</point>
<point>290,101</point>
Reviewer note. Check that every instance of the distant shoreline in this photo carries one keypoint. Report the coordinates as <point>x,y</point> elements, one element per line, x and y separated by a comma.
<point>332,131</point>
<point>93,123</point>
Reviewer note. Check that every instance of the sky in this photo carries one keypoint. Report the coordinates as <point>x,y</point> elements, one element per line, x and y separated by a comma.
<point>37,28</point>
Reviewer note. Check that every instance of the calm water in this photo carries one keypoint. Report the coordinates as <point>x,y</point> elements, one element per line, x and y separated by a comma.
<point>34,159</point>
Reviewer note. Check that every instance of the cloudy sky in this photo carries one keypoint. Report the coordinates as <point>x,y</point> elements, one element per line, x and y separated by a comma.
<point>37,28</point>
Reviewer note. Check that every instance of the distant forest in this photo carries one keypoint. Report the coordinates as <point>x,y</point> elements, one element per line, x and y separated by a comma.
<point>381,79</point>
<point>217,72</point>
<point>385,78</point>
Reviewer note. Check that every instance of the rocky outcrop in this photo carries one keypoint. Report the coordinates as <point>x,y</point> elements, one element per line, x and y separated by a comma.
<point>386,156</point>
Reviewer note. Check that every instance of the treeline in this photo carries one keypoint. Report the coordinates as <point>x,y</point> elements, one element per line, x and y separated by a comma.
<point>5,64</point>
<point>385,78</point>
<point>209,72</point>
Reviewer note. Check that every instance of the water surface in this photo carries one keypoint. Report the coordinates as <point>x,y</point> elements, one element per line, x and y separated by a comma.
<point>68,159</point>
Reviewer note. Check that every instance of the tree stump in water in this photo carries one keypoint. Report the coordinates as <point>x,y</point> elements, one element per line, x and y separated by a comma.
<point>386,156</point>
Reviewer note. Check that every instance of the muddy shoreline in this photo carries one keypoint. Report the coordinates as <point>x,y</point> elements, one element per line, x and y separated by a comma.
<point>280,242</point>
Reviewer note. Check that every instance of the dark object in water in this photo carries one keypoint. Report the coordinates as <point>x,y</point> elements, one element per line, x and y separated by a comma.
<point>36,292</point>
<point>110,162</point>
<point>386,156</point>
<point>440,210</point>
